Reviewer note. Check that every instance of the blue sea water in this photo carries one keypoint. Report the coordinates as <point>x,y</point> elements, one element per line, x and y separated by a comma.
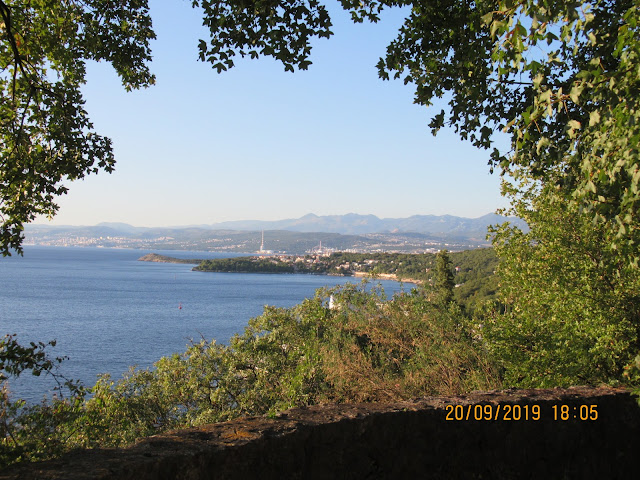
<point>108,311</point>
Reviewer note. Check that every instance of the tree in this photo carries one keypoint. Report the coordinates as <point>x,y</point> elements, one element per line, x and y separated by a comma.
<point>572,306</point>
<point>46,136</point>
<point>16,359</point>
<point>443,279</point>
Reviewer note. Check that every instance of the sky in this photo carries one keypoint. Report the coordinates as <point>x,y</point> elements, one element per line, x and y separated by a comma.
<point>258,143</point>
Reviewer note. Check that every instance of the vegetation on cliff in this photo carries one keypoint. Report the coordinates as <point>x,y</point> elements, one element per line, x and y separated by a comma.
<point>569,304</point>
<point>347,344</point>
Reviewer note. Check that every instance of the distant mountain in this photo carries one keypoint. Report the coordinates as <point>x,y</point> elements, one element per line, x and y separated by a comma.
<point>121,227</point>
<point>343,232</point>
<point>354,224</point>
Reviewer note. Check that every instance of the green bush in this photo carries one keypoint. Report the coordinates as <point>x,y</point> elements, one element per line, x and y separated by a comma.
<point>572,304</point>
<point>346,344</point>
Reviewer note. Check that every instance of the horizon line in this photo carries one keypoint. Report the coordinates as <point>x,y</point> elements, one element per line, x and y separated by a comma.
<point>101,223</point>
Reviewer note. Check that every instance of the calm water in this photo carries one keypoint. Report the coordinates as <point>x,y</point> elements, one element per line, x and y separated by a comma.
<point>108,311</point>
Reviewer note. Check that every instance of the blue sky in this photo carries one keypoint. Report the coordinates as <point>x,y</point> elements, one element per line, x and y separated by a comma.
<point>258,143</point>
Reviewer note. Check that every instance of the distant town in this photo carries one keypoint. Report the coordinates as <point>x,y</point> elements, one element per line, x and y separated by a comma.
<point>365,244</point>
<point>348,233</point>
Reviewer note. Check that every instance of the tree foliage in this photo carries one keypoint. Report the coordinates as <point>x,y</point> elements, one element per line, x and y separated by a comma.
<point>443,278</point>
<point>560,78</point>
<point>26,431</point>
<point>46,136</point>
<point>245,265</point>
<point>16,359</point>
<point>572,305</point>
<point>571,69</point>
<point>280,29</point>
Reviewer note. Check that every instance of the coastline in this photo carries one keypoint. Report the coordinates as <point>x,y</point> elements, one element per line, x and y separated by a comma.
<point>156,258</point>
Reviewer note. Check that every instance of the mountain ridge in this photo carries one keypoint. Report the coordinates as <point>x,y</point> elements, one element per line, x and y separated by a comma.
<point>358,224</point>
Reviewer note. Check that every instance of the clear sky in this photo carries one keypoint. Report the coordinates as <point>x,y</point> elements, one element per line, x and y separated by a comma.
<point>258,143</point>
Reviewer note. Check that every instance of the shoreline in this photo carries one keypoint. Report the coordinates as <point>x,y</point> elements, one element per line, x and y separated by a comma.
<point>157,258</point>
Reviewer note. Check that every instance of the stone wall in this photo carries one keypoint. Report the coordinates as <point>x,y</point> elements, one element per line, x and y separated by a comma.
<point>599,439</point>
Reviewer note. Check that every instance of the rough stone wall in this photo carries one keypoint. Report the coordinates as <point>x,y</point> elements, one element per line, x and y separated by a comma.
<point>399,440</point>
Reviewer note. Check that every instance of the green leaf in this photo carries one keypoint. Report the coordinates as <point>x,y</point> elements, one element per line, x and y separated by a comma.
<point>541,144</point>
<point>574,124</point>
<point>487,18</point>
<point>576,91</point>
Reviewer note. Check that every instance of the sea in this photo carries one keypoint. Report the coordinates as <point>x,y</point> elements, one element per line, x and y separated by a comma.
<point>107,311</point>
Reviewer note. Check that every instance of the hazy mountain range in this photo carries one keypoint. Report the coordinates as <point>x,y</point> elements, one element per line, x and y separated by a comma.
<point>349,224</point>
<point>355,224</point>
<point>351,231</point>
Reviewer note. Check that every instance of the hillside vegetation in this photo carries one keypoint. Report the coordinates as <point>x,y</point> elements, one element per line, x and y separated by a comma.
<point>347,344</point>
<point>473,270</point>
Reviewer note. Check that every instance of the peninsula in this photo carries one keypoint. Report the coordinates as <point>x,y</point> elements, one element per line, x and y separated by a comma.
<point>154,257</point>
<point>473,269</point>
<point>338,264</point>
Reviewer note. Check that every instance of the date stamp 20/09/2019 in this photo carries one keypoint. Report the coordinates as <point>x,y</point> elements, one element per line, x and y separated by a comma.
<point>516,412</point>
